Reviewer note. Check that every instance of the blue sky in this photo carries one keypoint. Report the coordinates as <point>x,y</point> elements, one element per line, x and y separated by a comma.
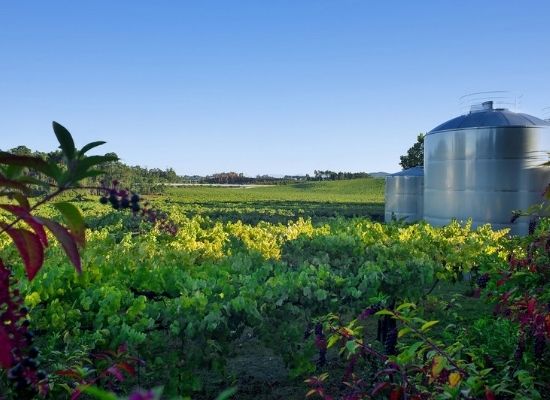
<point>278,86</point>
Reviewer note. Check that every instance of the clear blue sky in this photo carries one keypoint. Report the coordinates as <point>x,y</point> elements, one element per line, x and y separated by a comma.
<point>278,86</point>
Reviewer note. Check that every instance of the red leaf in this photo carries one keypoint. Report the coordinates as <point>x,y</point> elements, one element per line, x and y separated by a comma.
<point>22,213</point>
<point>66,239</point>
<point>388,371</point>
<point>69,373</point>
<point>379,387</point>
<point>396,394</point>
<point>113,370</point>
<point>30,249</point>
<point>489,395</point>
<point>127,367</point>
<point>6,358</point>
<point>531,305</point>
<point>77,392</point>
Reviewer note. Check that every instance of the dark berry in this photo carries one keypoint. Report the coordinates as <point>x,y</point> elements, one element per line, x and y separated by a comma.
<point>134,198</point>
<point>26,323</point>
<point>30,363</point>
<point>15,371</point>
<point>41,375</point>
<point>135,207</point>
<point>33,352</point>
<point>540,344</point>
<point>21,384</point>
<point>103,200</point>
<point>125,203</point>
<point>391,342</point>
<point>482,281</point>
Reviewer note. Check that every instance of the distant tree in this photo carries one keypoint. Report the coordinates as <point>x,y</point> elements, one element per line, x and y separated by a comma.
<point>21,151</point>
<point>415,155</point>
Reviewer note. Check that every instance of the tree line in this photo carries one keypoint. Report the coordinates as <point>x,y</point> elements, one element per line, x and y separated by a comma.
<point>154,180</point>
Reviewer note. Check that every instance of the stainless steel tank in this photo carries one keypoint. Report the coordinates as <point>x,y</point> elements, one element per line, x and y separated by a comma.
<point>483,166</point>
<point>404,195</point>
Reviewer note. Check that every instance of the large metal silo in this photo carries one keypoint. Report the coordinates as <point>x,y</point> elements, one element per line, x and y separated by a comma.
<point>484,165</point>
<point>404,195</point>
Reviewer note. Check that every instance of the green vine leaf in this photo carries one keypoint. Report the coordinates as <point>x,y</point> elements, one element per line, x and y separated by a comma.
<point>74,220</point>
<point>428,325</point>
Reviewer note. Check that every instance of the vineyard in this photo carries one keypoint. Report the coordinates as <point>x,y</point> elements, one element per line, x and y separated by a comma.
<point>257,290</point>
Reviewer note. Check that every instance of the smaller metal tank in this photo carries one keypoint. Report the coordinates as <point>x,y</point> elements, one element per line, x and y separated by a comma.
<point>405,195</point>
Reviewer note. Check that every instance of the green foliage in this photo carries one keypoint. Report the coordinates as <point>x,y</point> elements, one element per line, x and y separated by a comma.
<point>181,301</point>
<point>415,155</point>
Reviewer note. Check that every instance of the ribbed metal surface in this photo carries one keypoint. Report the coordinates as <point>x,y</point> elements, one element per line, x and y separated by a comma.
<point>485,173</point>
<point>404,195</point>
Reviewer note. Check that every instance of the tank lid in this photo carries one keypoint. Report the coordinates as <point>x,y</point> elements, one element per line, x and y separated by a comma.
<point>486,105</point>
<point>414,171</point>
<point>484,115</point>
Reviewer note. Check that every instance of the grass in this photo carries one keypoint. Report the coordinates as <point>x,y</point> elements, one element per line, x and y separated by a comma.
<point>281,203</point>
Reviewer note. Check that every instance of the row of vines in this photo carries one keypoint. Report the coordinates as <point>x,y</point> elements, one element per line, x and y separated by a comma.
<point>347,304</point>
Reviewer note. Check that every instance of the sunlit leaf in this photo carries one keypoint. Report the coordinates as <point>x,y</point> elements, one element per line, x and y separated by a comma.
<point>405,305</point>
<point>438,363</point>
<point>403,332</point>
<point>454,379</point>
<point>351,346</point>
<point>74,220</point>
<point>227,394</point>
<point>385,312</point>
<point>97,393</point>
<point>428,325</point>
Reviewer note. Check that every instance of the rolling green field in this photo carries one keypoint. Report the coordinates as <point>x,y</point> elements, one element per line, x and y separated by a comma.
<point>282,203</point>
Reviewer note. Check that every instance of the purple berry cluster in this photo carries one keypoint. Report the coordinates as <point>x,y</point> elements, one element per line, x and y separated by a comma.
<point>367,312</point>
<point>482,281</point>
<point>121,199</point>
